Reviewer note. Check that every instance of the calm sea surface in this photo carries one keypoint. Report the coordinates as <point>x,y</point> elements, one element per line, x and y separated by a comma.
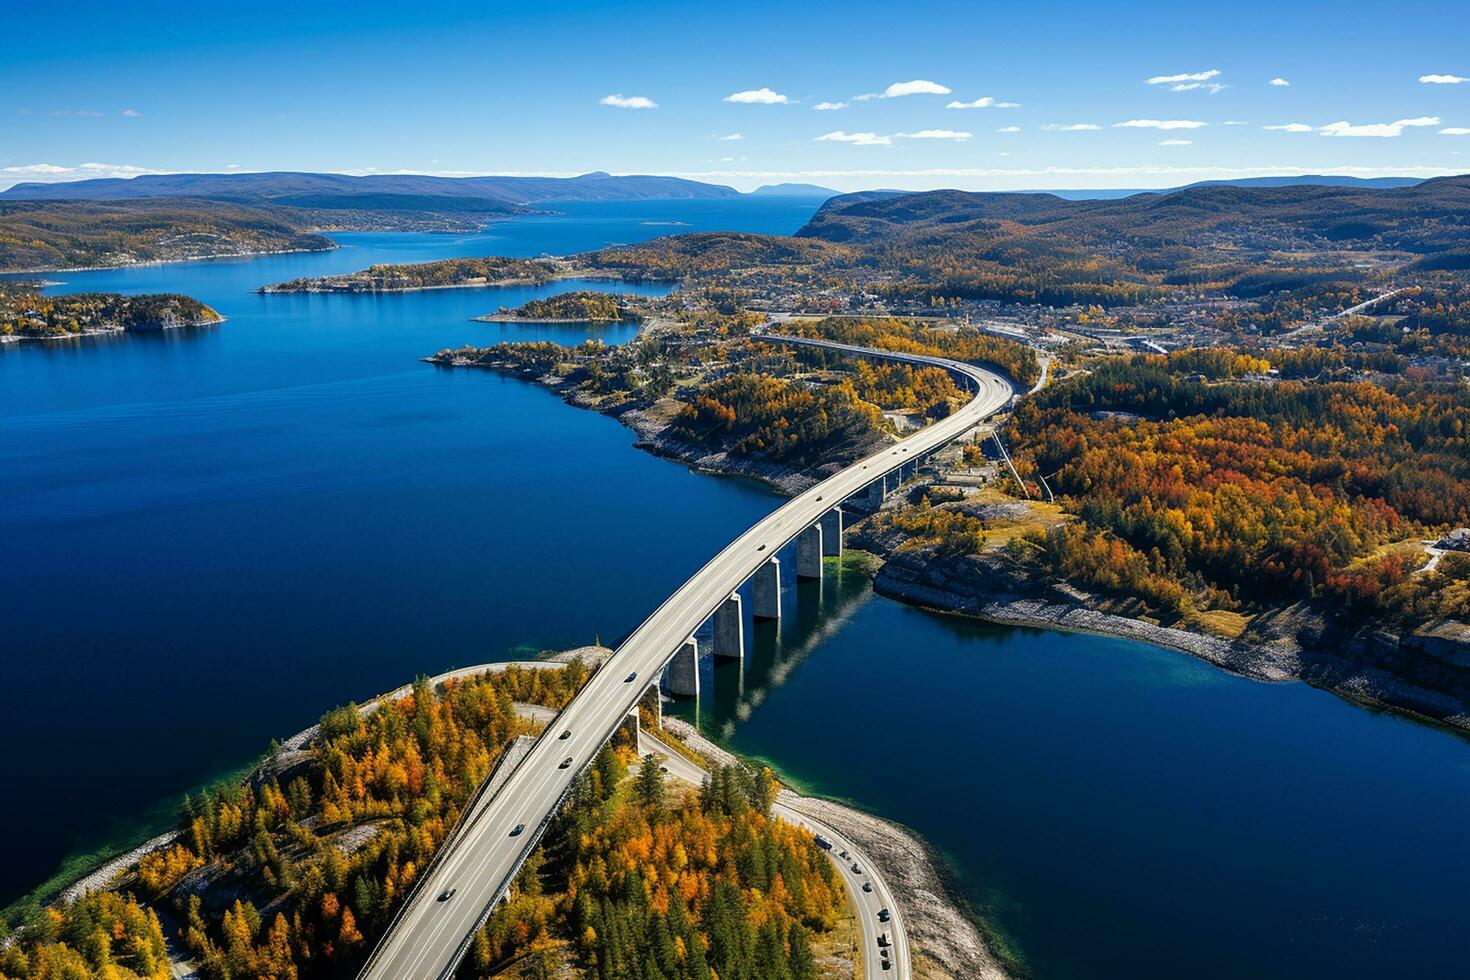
<point>211,535</point>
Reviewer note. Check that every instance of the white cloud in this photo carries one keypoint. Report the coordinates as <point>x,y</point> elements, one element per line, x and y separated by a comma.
<point>1235,122</point>
<point>1455,131</point>
<point>1279,82</point>
<point>1009,129</point>
<point>731,137</point>
<point>1194,76</point>
<point>1159,124</point>
<point>758,96</point>
<point>621,101</point>
<point>1443,79</point>
<point>858,139</point>
<point>936,134</point>
<point>130,113</point>
<point>39,169</point>
<point>984,102</point>
<point>919,86</point>
<point>1175,142</point>
<point>1381,130</point>
<point>1189,81</point>
<point>829,106</point>
<point>51,173</point>
<point>1071,127</point>
<point>1290,128</point>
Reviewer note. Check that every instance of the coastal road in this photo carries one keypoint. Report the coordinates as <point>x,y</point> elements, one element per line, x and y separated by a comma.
<point>866,903</point>
<point>436,925</point>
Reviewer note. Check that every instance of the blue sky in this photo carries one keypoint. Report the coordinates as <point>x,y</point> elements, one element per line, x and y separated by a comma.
<point>112,89</point>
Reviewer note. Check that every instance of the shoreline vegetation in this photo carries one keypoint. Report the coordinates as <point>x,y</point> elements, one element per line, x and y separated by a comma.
<point>72,235</point>
<point>933,537</point>
<point>27,315</point>
<point>259,875</point>
<point>470,273</point>
<point>580,306</point>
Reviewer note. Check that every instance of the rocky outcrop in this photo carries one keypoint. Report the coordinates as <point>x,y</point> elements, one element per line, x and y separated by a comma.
<point>1425,672</point>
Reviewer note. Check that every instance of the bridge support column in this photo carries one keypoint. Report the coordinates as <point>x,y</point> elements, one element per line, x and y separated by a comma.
<point>628,731</point>
<point>809,553</point>
<point>653,701</point>
<point>683,673</point>
<point>876,492</point>
<point>832,532</point>
<point>767,590</point>
<point>730,629</point>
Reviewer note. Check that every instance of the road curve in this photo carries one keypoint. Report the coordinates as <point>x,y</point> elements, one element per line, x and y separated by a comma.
<point>428,937</point>
<point>867,904</point>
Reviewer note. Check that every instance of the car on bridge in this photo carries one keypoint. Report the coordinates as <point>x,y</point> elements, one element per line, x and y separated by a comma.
<point>447,894</point>
<point>516,830</point>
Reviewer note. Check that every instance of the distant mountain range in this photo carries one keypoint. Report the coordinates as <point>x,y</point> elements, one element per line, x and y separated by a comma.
<point>397,192</point>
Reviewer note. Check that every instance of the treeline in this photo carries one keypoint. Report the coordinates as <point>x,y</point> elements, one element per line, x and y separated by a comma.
<point>1292,248</point>
<point>78,234</point>
<point>490,271</point>
<point>947,532</point>
<point>294,873</point>
<point>102,935</point>
<point>639,882</point>
<point>1191,492</point>
<point>578,305</point>
<point>749,413</point>
<point>26,312</point>
<point>911,337</point>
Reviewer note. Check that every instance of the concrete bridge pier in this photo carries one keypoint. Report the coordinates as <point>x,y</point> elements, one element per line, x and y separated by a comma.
<point>628,731</point>
<point>809,553</point>
<point>876,492</point>
<point>730,629</point>
<point>653,700</point>
<point>682,674</point>
<point>767,590</point>
<point>832,532</point>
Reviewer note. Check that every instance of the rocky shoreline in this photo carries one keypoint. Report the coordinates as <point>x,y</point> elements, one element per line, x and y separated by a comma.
<point>1422,674</point>
<point>109,331</point>
<point>947,944</point>
<point>651,426</point>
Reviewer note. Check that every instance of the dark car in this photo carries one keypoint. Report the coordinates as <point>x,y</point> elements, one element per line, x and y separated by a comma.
<point>565,763</point>
<point>631,678</point>
<point>448,894</point>
<point>867,886</point>
<point>516,830</point>
<point>883,915</point>
<point>564,735</point>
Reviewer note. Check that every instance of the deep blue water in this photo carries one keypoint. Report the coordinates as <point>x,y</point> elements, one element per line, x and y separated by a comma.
<point>211,535</point>
<point>1116,809</point>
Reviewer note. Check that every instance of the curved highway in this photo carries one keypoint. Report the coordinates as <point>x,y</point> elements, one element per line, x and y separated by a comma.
<point>844,853</point>
<point>475,866</point>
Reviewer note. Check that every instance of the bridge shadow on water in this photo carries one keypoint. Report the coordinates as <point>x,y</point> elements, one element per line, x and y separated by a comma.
<point>812,612</point>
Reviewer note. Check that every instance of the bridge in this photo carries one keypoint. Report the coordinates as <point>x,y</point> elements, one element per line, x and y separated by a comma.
<point>427,938</point>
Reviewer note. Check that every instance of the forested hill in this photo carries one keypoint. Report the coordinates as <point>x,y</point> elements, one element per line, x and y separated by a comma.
<point>1428,217</point>
<point>312,190</point>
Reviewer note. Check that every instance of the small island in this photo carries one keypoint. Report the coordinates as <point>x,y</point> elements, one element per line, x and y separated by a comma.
<point>580,306</point>
<point>444,274</point>
<point>26,314</point>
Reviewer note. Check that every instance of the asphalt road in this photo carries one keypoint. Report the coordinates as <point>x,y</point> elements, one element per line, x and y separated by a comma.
<point>431,933</point>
